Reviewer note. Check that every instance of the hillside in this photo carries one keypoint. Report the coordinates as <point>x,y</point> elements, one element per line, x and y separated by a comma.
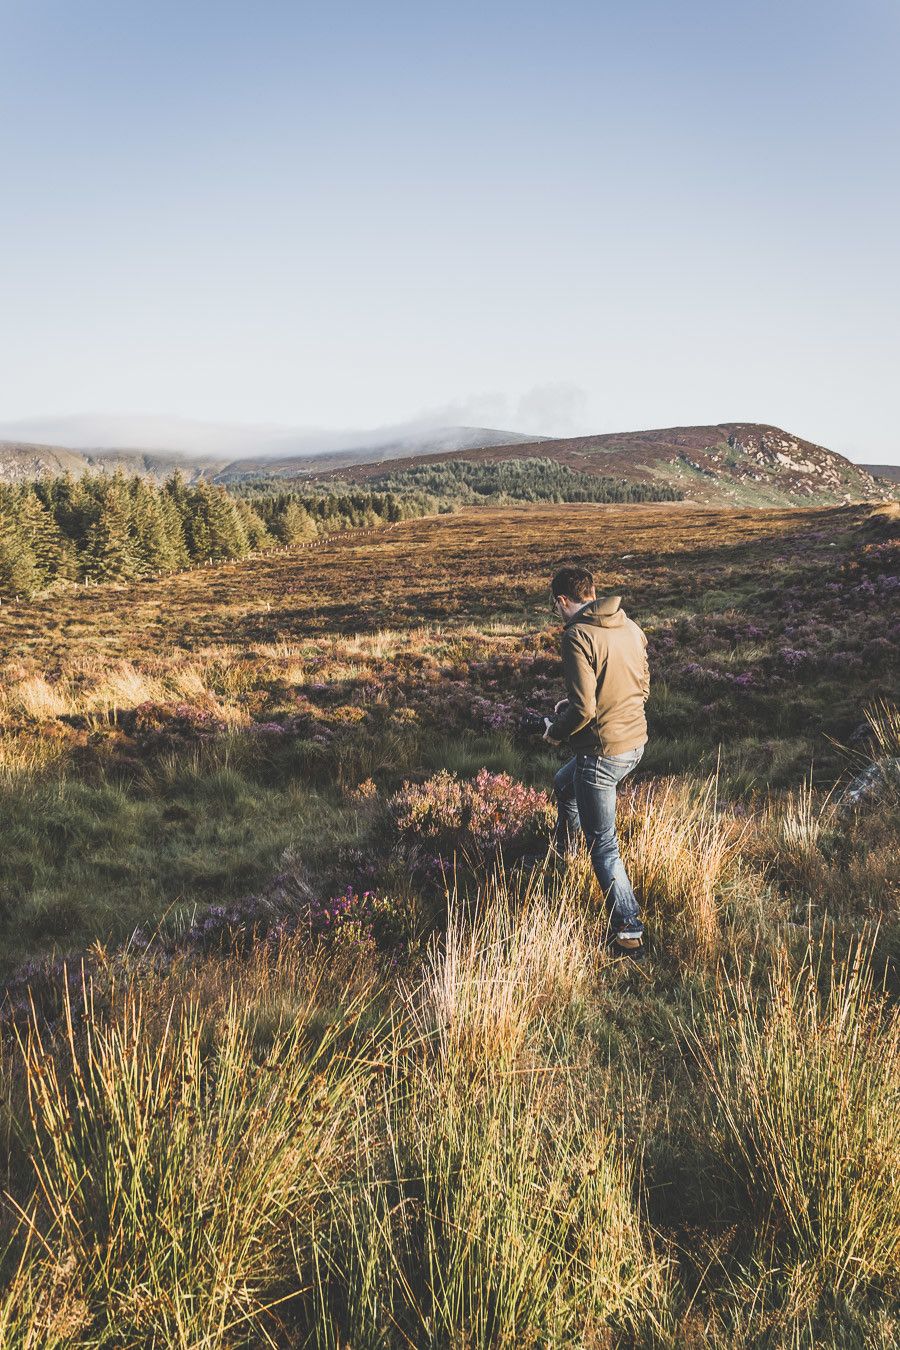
<point>22,460</point>
<point>375,452</point>
<point>732,463</point>
<point>890,471</point>
<point>738,463</point>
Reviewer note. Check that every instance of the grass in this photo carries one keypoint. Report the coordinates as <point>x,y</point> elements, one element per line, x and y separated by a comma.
<point>805,1092</point>
<point>88,859</point>
<point>679,849</point>
<point>166,1157</point>
<point>502,1216</point>
<point>444,1117</point>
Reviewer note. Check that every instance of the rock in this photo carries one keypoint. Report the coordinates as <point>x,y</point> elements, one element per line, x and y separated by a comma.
<point>875,781</point>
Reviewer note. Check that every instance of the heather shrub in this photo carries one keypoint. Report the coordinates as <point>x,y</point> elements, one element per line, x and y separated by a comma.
<point>368,919</point>
<point>480,817</point>
<point>175,721</point>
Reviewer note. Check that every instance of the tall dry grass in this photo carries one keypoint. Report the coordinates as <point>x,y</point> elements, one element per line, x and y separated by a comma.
<point>166,1168</point>
<point>790,832</point>
<point>499,1216</point>
<point>36,698</point>
<point>884,719</point>
<point>502,970</point>
<point>24,757</point>
<point>806,1089</point>
<point>495,1205</point>
<point>680,847</point>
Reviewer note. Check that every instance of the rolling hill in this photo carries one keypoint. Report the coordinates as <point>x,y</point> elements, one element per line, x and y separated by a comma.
<point>741,463</point>
<point>737,463</point>
<point>889,471</point>
<point>24,460</point>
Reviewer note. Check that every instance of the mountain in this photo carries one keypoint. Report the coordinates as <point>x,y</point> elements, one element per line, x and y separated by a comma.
<point>20,461</point>
<point>737,463</point>
<point>889,471</point>
<point>282,458</point>
<point>376,452</point>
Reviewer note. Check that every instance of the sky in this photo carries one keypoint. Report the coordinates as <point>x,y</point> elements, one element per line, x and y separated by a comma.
<point>556,218</point>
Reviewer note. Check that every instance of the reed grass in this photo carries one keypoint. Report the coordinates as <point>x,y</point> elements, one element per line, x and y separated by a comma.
<point>497,972</point>
<point>494,1202</point>
<point>806,1088</point>
<point>679,848</point>
<point>167,1166</point>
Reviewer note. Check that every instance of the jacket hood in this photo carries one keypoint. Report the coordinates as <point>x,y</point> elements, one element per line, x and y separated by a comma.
<point>604,612</point>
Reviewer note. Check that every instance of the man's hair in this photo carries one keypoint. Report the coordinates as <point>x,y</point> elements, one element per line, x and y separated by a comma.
<point>575,582</point>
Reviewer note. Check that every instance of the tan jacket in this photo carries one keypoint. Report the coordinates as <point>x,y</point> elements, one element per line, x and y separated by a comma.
<point>604,656</point>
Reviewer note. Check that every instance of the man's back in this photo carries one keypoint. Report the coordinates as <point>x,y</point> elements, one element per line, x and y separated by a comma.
<point>605,663</point>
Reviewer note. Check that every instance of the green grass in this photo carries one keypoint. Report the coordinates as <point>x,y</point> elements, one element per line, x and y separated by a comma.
<point>86,860</point>
<point>468,1127</point>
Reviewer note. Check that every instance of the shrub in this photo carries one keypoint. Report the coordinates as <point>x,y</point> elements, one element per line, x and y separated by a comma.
<point>479,817</point>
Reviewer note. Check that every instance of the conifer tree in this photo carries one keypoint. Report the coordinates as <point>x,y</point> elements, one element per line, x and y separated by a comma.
<point>110,553</point>
<point>19,574</point>
<point>156,539</point>
<point>214,527</point>
<point>295,525</point>
<point>258,536</point>
<point>178,494</point>
<point>73,507</point>
<point>174,527</point>
<point>47,545</point>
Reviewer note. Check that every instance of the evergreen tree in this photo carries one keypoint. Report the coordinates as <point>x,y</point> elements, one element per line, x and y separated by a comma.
<point>258,536</point>
<point>110,552</point>
<point>174,527</point>
<point>214,526</point>
<point>19,574</point>
<point>73,508</point>
<point>157,533</point>
<point>295,525</point>
<point>44,537</point>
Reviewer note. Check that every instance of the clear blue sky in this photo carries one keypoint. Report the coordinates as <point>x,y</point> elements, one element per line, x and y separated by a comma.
<point>557,216</point>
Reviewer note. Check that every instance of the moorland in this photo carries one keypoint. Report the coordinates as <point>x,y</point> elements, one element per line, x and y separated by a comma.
<point>301,1046</point>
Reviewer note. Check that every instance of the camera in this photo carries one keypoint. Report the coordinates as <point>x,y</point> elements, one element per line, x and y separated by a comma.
<point>532,723</point>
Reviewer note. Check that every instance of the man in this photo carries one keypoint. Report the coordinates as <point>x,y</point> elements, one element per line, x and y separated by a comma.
<point>602,721</point>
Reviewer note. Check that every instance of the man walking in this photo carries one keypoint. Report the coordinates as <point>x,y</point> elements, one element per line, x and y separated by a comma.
<point>602,721</point>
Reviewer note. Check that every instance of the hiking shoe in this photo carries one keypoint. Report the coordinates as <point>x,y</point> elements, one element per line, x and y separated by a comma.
<point>628,944</point>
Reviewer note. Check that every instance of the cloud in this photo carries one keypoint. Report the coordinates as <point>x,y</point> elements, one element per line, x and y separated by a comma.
<point>94,431</point>
<point>558,409</point>
<point>545,410</point>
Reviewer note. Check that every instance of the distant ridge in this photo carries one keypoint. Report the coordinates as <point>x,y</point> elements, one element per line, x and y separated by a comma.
<point>22,460</point>
<point>890,471</point>
<point>737,463</point>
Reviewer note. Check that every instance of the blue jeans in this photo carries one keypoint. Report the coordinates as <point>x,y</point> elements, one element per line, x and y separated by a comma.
<point>586,800</point>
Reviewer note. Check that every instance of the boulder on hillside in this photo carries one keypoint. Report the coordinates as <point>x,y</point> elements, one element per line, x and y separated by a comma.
<point>877,780</point>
